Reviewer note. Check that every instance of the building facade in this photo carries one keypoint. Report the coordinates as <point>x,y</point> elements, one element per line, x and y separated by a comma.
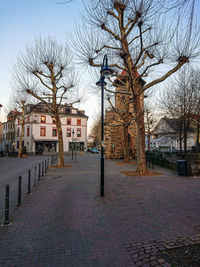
<point>40,132</point>
<point>8,132</point>
<point>166,136</point>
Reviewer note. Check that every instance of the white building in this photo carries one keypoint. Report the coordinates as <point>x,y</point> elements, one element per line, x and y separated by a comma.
<point>166,135</point>
<point>40,133</point>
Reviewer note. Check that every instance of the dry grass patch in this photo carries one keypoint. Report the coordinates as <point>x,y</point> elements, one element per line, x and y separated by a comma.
<point>56,166</point>
<point>135,173</point>
<point>126,162</point>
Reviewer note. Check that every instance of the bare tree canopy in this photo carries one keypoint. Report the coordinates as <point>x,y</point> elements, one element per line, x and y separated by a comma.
<point>141,38</point>
<point>182,101</point>
<point>46,65</point>
<point>45,71</point>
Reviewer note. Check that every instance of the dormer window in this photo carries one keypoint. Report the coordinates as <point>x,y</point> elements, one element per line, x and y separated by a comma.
<point>74,111</point>
<point>43,119</point>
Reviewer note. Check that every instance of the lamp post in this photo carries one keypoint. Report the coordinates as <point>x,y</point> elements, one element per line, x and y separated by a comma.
<point>105,71</point>
<point>73,132</point>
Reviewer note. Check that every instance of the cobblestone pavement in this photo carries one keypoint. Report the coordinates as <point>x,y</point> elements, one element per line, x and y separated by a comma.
<point>147,254</point>
<point>10,170</point>
<point>64,222</point>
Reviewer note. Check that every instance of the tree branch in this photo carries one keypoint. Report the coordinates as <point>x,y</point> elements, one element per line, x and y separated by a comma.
<point>111,32</point>
<point>39,98</point>
<point>161,79</point>
<point>35,73</point>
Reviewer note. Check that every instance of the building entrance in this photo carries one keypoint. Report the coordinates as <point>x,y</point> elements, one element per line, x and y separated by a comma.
<point>45,146</point>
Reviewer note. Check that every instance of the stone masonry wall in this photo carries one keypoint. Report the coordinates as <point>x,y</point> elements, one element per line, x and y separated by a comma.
<point>114,142</point>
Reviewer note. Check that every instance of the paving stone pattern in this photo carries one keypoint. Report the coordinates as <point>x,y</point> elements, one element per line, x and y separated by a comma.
<point>64,222</point>
<point>147,254</point>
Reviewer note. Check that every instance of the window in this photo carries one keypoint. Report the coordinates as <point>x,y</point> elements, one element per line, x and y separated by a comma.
<point>28,118</point>
<point>42,131</point>
<point>17,131</point>
<point>43,119</point>
<point>68,121</point>
<point>68,132</point>
<point>28,131</point>
<point>74,111</point>
<point>78,132</point>
<point>79,122</point>
<point>54,132</point>
<point>53,120</point>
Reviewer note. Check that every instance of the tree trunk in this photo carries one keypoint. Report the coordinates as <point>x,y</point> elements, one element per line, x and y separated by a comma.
<point>20,141</point>
<point>198,129</point>
<point>126,144</point>
<point>22,131</point>
<point>149,135</point>
<point>60,142</point>
<point>141,157</point>
<point>185,142</point>
<point>180,142</point>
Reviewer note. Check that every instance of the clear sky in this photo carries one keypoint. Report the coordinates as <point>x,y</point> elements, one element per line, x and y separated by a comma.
<point>23,20</point>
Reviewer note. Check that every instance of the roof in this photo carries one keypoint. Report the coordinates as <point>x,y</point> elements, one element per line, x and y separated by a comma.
<point>64,110</point>
<point>124,76</point>
<point>174,124</point>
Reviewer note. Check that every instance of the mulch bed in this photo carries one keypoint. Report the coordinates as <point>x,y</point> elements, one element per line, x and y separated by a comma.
<point>177,252</point>
<point>187,256</point>
<point>56,166</point>
<point>135,173</point>
<point>126,162</point>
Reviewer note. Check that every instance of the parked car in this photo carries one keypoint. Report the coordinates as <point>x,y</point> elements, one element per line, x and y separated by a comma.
<point>94,150</point>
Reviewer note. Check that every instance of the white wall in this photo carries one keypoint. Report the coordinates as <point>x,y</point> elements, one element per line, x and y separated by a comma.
<point>49,125</point>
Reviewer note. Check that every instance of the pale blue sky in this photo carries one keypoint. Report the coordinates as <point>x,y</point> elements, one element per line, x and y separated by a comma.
<point>23,20</point>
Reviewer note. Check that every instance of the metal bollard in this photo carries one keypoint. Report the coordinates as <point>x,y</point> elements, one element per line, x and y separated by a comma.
<point>7,219</point>
<point>45,166</point>
<point>35,176</point>
<point>19,191</point>
<point>153,164</point>
<point>42,168</point>
<point>29,182</point>
<point>39,172</point>
<point>48,163</point>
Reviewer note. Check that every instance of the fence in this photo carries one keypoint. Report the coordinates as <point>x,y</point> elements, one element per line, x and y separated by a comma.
<point>162,159</point>
<point>13,195</point>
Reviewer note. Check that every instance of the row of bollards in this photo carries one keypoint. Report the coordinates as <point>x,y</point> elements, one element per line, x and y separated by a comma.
<point>42,168</point>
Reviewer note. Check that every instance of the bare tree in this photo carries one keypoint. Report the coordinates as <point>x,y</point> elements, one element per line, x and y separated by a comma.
<point>95,132</point>
<point>45,72</point>
<point>139,37</point>
<point>150,120</point>
<point>182,101</point>
<point>18,102</point>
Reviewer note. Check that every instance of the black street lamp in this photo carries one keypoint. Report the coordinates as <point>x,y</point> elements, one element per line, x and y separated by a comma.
<point>73,132</point>
<point>105,71</point>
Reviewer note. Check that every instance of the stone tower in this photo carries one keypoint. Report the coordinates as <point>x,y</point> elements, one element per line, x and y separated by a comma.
<point>114,140</point>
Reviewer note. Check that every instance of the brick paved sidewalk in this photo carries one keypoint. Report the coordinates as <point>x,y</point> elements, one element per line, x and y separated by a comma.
<point>65,222</point>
